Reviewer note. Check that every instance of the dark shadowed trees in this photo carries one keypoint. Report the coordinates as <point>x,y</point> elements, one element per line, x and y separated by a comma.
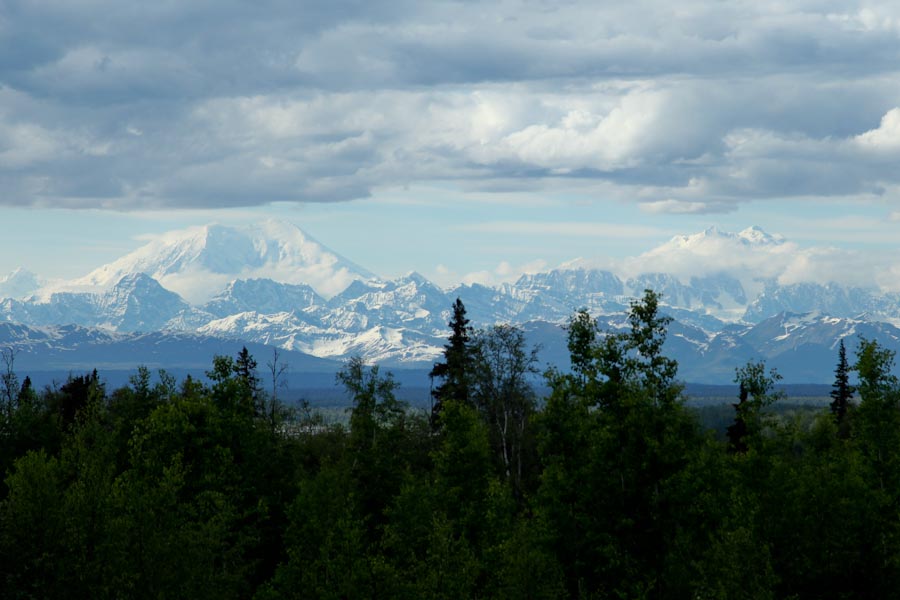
<point>757,391</point>
<point>842,391</point>
<point>454,372</point>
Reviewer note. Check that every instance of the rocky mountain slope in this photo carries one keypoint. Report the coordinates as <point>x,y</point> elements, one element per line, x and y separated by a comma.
<point>272,284</point>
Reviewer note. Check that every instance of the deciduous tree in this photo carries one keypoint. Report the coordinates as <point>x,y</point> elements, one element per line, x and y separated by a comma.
<point>504,396</point>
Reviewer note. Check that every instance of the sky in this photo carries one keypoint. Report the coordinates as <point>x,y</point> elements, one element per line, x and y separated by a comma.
<point>469,141</point>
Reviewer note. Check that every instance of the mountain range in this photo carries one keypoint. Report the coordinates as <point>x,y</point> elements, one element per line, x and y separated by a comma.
<point>272,284</point>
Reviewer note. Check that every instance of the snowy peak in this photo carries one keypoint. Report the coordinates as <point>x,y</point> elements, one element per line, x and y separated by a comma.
<point>135,303</point>
<point>755,235</point>
<point>410,301</point>
<point>271,283</point>
<point>219,249</point>
<point>138,303</point>
<point>19,284</point>
<point>713,236</point>
<point>572,281</point>
<point>830,298</point>
<point>264,296</point>
<point>197,262</point>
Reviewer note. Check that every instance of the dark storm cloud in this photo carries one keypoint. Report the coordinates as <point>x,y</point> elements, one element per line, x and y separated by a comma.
<point>168,104</point>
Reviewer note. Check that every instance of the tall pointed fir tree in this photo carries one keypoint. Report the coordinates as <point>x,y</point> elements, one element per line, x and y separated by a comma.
<point>841,390</point>
<point>245,370</point>
<point>455,371</point>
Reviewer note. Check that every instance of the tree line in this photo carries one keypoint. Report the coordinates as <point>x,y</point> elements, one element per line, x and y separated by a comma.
<point>606,488</point>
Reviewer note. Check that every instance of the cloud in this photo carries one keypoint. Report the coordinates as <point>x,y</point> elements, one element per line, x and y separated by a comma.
<point>755,257</point>
<point>886,137</point>
<point>683,207</point>
<point>203,105</point>
<point>610,230</point>
<point>504,272</point>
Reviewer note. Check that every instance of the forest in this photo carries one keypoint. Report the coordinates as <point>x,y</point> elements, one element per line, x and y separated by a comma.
<point>608,487</point>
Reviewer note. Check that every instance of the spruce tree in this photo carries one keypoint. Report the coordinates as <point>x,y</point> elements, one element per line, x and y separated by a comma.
<point>245,370</point>
<point>841,391</point>
<point>455,370</point>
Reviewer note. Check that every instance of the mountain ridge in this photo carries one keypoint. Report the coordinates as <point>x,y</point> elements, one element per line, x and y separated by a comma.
<point>197,262</point>
<point>403,321</point>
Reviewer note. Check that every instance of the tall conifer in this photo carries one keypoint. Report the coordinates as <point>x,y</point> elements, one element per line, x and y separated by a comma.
<point>841,391</point>
<point>455,370</point>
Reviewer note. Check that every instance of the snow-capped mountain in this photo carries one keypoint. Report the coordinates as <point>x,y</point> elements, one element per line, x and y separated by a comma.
<point>745,259</point>
<point>719,294</point>
<point>831,299</point>
<point>410,302</point>
<point>19,284</point>
<point>263,295</point>
<point>384,345</point>
<point>713,237</point>
<point>272,284</point>
<point>198,262</point>
<point>551,296</point>
<point>137,302</point>
<point>801,346</point>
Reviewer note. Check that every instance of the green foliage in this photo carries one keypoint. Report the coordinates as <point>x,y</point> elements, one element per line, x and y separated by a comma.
<point>502,393</point>
<point>376,451</point>
<point>463,468</point>
<point>374,404</point>
<point>606,488</point>
<point>756,393</point>
<point>582,335</point>
<point>646,363</point>
<point>875,433</point>
<point>32,527</point>
<point>615,438</point>
<point>842,392</point>
<point>456,369</point>
<point>818,512</point>
<point>527,567</point>
<point>325,540</point>
<point>874,365</point>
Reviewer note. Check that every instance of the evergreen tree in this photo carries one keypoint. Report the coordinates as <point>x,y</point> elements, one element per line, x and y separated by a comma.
<point>841,391</point>
<point>235,383</point>
<point>75,393</point>
<point>245,371</point>
<point>455,371</point>
<point>27,398</point>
